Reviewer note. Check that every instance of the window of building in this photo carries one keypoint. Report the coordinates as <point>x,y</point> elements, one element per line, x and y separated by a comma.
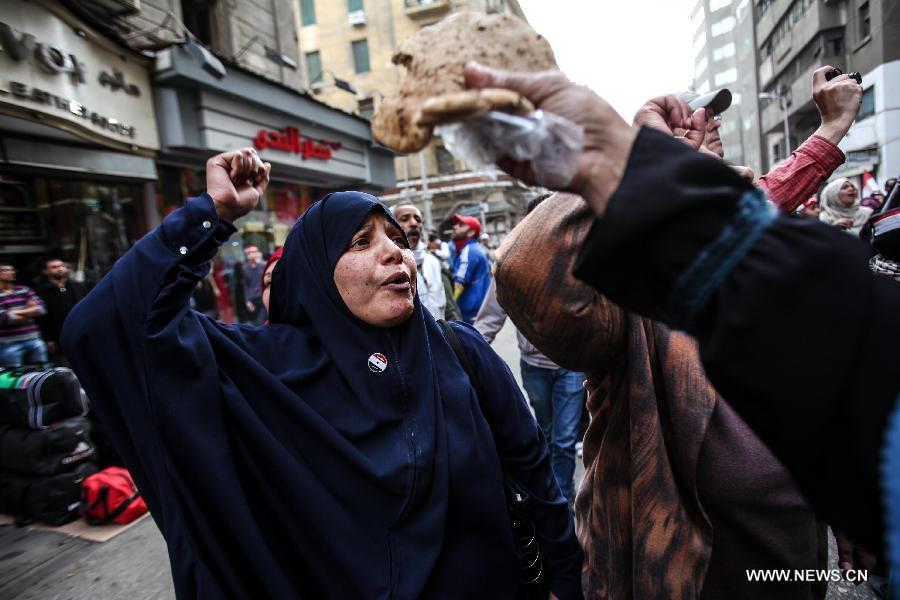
<point>735,98</point>
<point>314,67</point>
<point>444,160</point>
<point>366,108</point>
<point>715,5</point>
<point>198,19</point>
<point>867,107</point>
<point>354,5</point>
<point>778,152</point>
<point>726,77</point>
<point>834,43</point>
<point>762,6</point>
<point>697,19</point>
<point>865,27</point>
<point>787,22</point>
<point>699,42</point>
<point>722,27</point>
<point>725,51</point>
<point>701,66</point>
<point>704,87</point>
<point>307,12</point>
<point>361,56</point>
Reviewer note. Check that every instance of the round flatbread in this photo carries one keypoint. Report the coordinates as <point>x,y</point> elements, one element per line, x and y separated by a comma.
<point>435,58</point>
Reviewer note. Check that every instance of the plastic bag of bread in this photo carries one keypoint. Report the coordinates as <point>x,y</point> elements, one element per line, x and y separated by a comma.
<point>551,143</point>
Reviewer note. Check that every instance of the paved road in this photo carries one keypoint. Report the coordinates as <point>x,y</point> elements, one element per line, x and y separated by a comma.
<point>37,565</point>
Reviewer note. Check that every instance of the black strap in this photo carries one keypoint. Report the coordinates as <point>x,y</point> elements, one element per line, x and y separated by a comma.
<point>464,361</point>
<point>531,577</point>
<point>109,515</point>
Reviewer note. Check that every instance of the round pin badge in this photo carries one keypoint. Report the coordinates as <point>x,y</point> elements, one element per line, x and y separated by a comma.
<point>377,363</point>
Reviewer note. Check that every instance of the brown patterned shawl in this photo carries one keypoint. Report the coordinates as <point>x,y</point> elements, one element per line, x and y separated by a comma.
<point>638,515</point>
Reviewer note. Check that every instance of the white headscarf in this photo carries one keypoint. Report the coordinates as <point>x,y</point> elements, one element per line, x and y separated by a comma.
<point>834,210</point>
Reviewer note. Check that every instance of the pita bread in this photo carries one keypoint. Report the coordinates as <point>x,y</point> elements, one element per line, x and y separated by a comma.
<point>435,58</point>
<point>459,106</point>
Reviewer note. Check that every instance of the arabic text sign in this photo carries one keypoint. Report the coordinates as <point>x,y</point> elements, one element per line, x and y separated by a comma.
<point>289,140</point>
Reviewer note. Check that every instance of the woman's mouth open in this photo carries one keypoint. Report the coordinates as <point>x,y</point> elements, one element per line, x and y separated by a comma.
<point>398,282</point>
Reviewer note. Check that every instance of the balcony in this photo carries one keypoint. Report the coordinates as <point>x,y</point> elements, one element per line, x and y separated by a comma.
<point>417,9</point>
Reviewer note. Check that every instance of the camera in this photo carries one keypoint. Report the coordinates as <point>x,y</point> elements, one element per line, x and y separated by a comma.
<point>835,72</point>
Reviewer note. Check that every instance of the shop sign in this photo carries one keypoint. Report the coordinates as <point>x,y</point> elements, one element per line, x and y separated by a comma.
<point>50,63</point>
<point>288,139</point>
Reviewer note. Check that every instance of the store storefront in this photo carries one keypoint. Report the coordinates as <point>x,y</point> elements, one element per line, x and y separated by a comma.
<point>77,139</point>
<point>313,148</point>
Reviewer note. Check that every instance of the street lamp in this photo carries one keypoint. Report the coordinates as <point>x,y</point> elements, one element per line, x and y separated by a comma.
<point>273,55</point>
<point>784,111</point>
<point>338,82</point>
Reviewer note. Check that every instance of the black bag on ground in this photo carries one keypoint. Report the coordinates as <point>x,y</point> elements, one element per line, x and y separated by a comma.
<point>39,398</point>
<point>53,500</point>
<point>46,451</point>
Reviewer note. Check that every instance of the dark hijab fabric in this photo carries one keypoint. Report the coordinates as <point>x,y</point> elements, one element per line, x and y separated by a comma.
<point>276,462</point>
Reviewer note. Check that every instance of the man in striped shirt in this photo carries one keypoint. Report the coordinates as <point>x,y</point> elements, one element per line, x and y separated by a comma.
<point>20,337</point>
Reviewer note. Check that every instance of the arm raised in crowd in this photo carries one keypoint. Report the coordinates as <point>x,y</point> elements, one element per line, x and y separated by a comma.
<point>145,296</point>
<point>810,165</point>
<point>785,309</point>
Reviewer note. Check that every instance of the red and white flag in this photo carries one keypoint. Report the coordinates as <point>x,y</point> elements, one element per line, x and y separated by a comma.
<point>869,183</point>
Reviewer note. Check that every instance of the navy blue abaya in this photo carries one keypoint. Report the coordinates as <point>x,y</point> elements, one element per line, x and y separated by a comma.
<point>278,463</point>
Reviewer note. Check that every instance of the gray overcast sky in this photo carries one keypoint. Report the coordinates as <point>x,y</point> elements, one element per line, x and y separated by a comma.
<point>626,51</point>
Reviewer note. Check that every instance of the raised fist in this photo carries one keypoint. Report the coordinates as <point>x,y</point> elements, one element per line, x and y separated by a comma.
<point>236,180</point>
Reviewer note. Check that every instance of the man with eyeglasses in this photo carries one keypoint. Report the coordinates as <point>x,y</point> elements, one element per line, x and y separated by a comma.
<point>20,336</point>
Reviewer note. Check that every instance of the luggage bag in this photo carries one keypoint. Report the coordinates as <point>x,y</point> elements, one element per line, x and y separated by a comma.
<point>53,500</point>
<point>36,399</point>
<point>46,451</point>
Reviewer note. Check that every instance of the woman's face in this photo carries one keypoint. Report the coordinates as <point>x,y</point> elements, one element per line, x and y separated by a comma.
<point>847,194</point>
<point>813,210</point>
<point>267,285</point>
<point>376,274</point>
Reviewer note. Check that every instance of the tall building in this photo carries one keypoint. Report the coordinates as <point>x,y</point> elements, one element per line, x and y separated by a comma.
<point>346,48</point>
<point>719,37</point>
<point>796,37</point>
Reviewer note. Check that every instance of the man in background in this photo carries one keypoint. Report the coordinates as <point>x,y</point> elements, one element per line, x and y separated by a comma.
<point>20,336</point>
<point>471,268</point>
<point>60,294</point>
<point>431,284</point>
<point>250,281</point>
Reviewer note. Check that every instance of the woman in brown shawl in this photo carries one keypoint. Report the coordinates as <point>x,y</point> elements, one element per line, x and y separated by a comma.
<point>679,498</point>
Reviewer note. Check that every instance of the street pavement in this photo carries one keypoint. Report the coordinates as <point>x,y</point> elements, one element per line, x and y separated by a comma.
<point>40,565</point>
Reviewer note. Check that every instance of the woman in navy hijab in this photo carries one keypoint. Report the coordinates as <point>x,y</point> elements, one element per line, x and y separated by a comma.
<point>340,451</point>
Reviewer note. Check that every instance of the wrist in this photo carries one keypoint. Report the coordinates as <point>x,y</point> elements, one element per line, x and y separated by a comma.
<point>605,167</point>
<point>225,213</point>
<point>834,130</point>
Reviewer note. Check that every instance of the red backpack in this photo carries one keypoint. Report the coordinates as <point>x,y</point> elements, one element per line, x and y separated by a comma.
<point>110,496</point>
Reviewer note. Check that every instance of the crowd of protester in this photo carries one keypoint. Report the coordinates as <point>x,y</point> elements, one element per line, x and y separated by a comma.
<point>719,336</point>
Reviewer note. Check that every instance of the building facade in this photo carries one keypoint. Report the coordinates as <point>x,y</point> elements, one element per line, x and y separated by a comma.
<point>778,45</point>
<point>78,132</point>
<point>134,97</point>
<point>794,38</point>
<point>346,48</point>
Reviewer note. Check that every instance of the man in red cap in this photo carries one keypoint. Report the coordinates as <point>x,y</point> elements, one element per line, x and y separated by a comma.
<point>471,268</point>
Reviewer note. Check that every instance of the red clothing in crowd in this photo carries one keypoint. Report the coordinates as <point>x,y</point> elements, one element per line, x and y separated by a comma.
<point>801,175</point>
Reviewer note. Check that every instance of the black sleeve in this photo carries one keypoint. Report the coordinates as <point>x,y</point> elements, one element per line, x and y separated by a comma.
<point>787,313</point>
